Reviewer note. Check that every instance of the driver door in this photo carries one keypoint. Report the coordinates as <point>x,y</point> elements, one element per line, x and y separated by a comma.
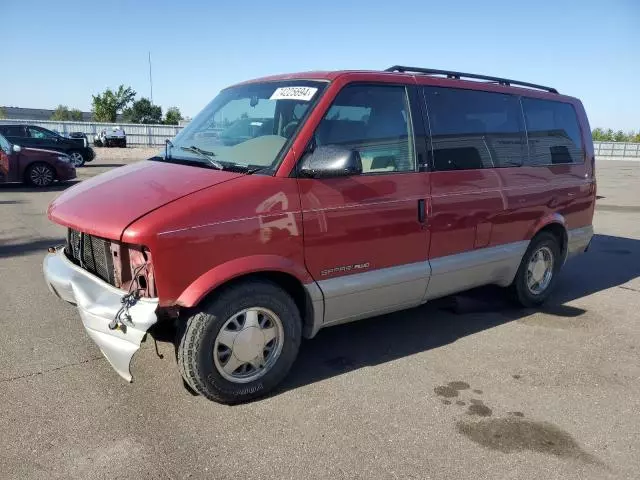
<point>365,241</point>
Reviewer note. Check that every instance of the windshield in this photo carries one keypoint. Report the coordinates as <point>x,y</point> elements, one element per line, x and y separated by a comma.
<point>246,126</point>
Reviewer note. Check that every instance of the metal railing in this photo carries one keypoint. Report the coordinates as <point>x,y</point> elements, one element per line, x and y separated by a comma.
<point>137,134</point>
<point>155,135</point>
<point>616,149</point>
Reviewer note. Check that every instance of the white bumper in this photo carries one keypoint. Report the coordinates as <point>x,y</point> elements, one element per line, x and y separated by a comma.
<point>98,303</point>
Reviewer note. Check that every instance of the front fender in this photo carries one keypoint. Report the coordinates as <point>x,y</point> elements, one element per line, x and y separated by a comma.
<point>238,267</point>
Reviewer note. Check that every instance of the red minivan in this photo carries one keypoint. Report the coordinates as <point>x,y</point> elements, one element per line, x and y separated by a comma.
<point>296,202</point>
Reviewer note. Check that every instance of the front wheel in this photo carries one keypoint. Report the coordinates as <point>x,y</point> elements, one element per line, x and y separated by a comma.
<point>538,271</point>
<point>242,343</point>
<point>40,175</point>
<point>77,159</point>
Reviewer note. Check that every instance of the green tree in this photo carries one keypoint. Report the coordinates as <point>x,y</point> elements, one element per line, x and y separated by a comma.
<point>619,136</point>
<point>173,116</point>
<point>62,113</point>
<point>598,135</point>
<point>143,111</point>
<point>108,104</point>
<point>3,115</point>
<point>608,135</point>
<point>76,115</point>
<point>601,135</point>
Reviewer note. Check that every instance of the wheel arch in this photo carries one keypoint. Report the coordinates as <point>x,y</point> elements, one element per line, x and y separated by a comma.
<point>557,226</point>
<point>292,278</point>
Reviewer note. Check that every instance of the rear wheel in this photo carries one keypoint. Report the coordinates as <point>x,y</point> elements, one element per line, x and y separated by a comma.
<point>538,271</point>
<point>242,343</point>
<point>40,174</point>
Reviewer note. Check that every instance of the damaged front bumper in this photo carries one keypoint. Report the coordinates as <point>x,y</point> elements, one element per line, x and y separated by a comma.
<point>99,304</point>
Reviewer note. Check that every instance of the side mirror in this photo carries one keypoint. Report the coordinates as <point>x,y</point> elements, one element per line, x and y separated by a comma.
<point>17,148</point>
<point>328,161</point>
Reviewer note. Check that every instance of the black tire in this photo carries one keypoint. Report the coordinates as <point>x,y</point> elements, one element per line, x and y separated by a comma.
<point>521,293</point>
<point>196,346</point>
<point>77,158</point>
<point>123,143</point>
<point>40,175</point>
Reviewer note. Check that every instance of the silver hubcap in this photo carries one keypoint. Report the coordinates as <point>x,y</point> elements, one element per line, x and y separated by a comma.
<point>540,270</point>
<point>248,345</point>
<point>76,158</point>
<point>41,175</point>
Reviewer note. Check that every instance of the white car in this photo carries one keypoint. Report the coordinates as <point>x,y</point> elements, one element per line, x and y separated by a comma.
<point>113,137</point>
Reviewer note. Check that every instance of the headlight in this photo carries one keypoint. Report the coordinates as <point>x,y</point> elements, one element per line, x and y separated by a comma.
<point>64,158</point>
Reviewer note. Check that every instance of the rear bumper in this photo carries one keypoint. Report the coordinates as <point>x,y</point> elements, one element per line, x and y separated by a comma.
<point>98,303</point>
<point>578,240</point>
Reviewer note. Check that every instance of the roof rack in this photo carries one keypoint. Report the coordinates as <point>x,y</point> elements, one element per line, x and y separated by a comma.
<point>459,75</point>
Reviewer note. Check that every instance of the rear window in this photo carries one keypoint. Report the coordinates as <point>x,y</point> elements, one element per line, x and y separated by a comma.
<point>473,129</point>
<point>12,130</point>
<point>553,132</point>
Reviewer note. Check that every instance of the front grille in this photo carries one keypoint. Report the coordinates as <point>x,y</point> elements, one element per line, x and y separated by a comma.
<point>91,253</point>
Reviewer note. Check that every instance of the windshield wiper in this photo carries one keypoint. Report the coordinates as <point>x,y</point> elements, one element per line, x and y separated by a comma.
<point>208,156</point>
<point>248,169</point>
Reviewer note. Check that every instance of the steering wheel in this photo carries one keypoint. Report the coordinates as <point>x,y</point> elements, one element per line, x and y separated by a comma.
<point>289,128</point>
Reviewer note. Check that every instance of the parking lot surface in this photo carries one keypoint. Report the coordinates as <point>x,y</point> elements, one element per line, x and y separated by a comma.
<point>464,387</point>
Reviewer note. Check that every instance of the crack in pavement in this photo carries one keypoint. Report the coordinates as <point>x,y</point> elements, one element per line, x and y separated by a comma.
<point>55,369</point>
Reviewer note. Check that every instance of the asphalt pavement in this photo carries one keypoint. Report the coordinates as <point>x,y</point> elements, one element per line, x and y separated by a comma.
<point>465,387</point>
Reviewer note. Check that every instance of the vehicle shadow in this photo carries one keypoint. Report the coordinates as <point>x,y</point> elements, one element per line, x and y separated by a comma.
<point>610,261</point>
<point>17,249</point>
<point>21,187</point>
<point>103,165</point>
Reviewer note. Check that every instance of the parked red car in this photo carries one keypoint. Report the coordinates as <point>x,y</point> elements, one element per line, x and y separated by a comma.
<point>356,194</point>
<point>35,166</point>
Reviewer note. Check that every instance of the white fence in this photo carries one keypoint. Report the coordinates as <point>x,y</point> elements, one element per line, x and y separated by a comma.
<point>143,135</point>
<point>155,135</point>
<point>617,149</point>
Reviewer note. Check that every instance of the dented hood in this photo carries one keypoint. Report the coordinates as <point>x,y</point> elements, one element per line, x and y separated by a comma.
<point>106,204</point>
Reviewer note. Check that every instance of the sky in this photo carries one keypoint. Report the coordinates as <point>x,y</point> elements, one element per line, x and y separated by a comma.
<point>63,52</point>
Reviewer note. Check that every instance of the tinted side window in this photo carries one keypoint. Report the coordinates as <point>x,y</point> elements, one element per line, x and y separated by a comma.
<point>375,121</point>
<point>35,132</point>
<point>472,129</point>
<point>553,131</point>
<point>12,130</point>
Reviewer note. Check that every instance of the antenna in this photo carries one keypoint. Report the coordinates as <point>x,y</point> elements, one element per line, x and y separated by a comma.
<point>150,79</point>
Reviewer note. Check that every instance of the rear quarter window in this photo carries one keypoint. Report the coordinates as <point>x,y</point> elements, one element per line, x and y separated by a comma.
<point>12,130</point>
<point>553,132</point>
